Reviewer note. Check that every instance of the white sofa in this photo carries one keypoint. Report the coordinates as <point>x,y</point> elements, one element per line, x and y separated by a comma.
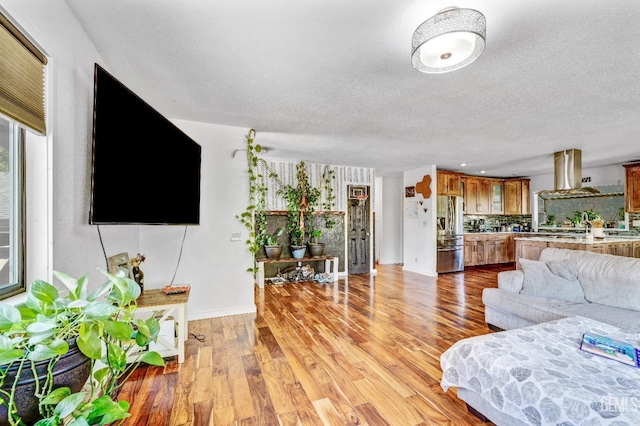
<point>565,283</point>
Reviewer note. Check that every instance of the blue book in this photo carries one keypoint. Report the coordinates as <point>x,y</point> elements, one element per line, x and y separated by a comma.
<point>611,348</point>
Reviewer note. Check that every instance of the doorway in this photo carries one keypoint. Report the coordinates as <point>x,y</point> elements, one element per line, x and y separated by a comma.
<point>358,230</point>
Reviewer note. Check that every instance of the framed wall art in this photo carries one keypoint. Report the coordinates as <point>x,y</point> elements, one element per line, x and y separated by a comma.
<point>409,192</point>
<point>119,265</point>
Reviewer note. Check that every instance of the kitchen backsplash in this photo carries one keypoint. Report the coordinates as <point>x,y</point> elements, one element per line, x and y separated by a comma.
<point>495,222</point>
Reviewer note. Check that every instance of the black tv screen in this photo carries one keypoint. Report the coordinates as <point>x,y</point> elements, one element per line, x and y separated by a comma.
<point>144,169</point>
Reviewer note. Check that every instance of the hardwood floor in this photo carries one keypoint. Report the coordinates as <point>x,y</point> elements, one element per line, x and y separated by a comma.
<point>361,351</point>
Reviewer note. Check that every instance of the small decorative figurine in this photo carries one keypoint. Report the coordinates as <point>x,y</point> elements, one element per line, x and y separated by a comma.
<point>138,275</point>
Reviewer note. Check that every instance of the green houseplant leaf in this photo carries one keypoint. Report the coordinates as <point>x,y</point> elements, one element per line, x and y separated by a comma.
<point>103,326</point>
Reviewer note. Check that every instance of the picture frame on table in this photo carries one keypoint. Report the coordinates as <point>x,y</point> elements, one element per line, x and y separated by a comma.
<point>119,265</point>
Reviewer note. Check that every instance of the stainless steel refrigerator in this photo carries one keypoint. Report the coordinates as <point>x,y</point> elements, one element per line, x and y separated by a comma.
<point>450,243</point>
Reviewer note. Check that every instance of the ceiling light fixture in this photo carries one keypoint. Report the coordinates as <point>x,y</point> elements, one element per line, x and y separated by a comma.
<point>448,41</point>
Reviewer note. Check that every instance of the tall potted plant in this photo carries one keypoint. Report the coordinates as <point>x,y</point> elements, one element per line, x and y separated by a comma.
<point>302,200</point>
<point>102,332</point>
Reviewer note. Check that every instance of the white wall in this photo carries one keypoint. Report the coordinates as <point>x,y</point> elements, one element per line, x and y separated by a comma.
<point>390,195</point>
<point>213,265</point>
<point>419,242</point>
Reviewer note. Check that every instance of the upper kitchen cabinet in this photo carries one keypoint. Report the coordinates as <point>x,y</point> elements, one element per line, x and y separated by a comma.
<point>632,188</point>
<point>497,196</point>
<point>477,198</point>
<point>449,183</point>
<point>517,197</point>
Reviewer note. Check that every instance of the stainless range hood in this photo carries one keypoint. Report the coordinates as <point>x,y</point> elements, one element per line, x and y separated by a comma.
<point>567,173</point>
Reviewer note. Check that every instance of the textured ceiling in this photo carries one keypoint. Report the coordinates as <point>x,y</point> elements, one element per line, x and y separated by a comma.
<point>331,81</point>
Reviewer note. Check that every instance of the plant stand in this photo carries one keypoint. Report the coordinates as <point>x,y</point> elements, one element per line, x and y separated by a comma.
<point>156,302</point>
<point>330,265</point>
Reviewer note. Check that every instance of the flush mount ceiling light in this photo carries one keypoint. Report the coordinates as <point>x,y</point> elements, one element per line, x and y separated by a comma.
<point>448,41</point>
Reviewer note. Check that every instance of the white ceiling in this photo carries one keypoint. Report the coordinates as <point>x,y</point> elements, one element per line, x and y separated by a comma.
<point>331,81</point>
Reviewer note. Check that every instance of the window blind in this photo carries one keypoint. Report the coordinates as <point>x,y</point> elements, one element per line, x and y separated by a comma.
<point>21,78</point>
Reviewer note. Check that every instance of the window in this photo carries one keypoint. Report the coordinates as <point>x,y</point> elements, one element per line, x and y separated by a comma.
<point>12,209</point>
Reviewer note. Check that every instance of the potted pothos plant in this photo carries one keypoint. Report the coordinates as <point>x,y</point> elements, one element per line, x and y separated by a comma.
<point>97,328</point>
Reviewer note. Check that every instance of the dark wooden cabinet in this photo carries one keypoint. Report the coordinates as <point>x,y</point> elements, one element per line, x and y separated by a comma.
<point>449,183</point>
<point>632,188</point>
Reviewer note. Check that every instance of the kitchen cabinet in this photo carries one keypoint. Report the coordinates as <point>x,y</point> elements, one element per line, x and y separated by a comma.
<point>488,249</point>
<point>531,249</point>
<point>528,250</point>
<point>449,183</point>
<point>632,188</point>
<point>497,197</point>
<point>474,250</point>
<point>526,197</point>
<point>498,249</point>
<point>476,195</point>
<point>568,246</point>
<point>597,248</point>
<point>517,198</point>
<point>620,249</point>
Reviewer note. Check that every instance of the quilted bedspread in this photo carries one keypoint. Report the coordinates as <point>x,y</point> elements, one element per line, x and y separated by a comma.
<point>539,375</point>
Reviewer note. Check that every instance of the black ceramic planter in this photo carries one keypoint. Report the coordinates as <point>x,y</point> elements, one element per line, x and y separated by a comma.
<point>72,370</point>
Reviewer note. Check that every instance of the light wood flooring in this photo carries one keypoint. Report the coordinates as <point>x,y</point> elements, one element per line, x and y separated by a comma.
<point>362,351</point>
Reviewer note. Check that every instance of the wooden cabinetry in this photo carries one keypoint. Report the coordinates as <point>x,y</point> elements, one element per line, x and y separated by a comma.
<point>449,183</point>
<point>476,195</point>
<point>497,196</point>
<point>620,249</point>
<point>597,248</point>
<point>526,197</point>
<point>531,249</point>
<point>498,249</point>
<point>528,250</point>
<point>474,250</point>
<point>516,194</point>
<point>488,249</point>
<point>632,188</point>
<point>494,196</point>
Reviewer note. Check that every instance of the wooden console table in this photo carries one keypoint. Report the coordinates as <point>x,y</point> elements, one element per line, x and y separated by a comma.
<point>163,306</point>
<point>330,265</point>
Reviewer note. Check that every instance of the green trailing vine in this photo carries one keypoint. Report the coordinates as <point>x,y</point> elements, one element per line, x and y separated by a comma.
<point>302,200</point>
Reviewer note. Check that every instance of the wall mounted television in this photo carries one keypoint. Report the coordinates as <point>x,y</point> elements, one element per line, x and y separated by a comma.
<point>145,170</point>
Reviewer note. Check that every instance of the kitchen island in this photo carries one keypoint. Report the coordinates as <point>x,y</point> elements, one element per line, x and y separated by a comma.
<point>530,247</point>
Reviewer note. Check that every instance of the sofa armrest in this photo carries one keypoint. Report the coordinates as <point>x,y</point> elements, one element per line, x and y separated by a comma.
<point>511,280</point>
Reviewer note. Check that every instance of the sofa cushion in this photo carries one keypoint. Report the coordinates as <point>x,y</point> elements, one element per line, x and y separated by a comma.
<point>530,308</point>
<point>606,279</point>
<point>554,280</point>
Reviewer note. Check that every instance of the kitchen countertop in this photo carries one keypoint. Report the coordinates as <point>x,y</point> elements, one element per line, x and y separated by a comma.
<point>560,238</point>
<point>577,240</point>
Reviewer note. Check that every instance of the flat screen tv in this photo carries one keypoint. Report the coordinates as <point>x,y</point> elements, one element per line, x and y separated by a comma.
<point>145,170</point>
